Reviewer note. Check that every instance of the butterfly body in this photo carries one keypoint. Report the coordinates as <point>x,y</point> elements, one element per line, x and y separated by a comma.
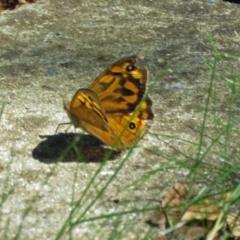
<point>114,107</point>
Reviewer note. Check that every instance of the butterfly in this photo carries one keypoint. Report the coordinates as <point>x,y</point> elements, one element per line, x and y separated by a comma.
<point>115,106</point>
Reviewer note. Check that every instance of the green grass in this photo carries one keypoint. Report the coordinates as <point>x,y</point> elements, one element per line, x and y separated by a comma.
<point>211,162</point>
<point>2,109</point>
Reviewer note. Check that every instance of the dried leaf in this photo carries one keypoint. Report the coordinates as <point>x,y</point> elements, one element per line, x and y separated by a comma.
<point>204,219</point>
<point>6,5</point>
<point>202,210</point>
<point>176,195</point>
<point>169,210</point>
<point>233,222</point>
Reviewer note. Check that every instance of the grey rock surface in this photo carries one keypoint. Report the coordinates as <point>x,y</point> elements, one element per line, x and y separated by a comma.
<point>48,50</point>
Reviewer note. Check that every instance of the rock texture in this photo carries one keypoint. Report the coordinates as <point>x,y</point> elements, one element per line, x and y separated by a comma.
<point>48,50</point>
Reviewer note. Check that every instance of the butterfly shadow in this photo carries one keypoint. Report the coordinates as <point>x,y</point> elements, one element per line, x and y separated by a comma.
<point>72,147</point>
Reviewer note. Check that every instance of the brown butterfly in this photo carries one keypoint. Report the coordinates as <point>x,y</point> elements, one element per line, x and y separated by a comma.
<point>113,108</point>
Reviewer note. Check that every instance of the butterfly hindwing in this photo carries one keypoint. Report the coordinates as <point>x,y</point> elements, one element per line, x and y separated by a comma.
<point>86,112</point>
<point>128,128</point>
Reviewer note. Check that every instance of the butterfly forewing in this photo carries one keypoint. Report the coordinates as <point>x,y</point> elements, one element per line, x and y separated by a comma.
<point>121,86</point>
<point>144,111</point>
